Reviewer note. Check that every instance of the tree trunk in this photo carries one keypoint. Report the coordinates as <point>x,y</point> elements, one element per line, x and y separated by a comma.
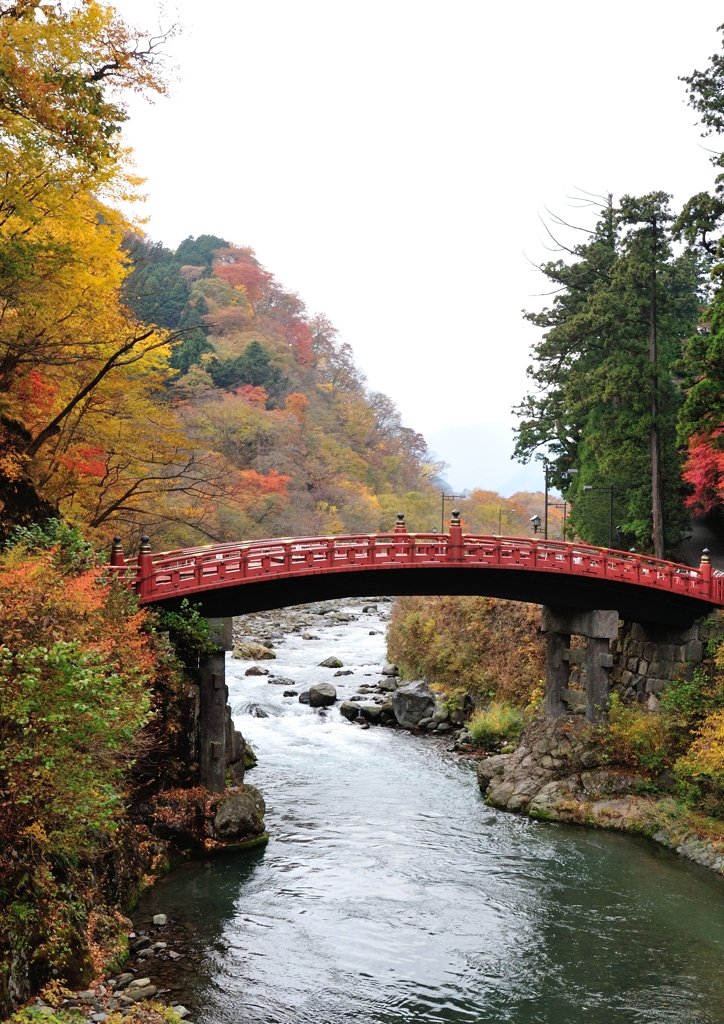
<point>655,439</point>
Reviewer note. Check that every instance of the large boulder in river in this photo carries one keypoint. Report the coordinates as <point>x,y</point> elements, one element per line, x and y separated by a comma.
<point>412,703</point>
<point>349,709</point>
<point>331,662</point>
<point>239,815</point>
<point>250,650</point>
<point>321,695</point>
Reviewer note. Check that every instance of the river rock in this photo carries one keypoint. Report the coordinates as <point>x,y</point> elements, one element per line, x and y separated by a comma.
<point>290,693</point>
<point>137,994</point>
<point>369,608</point>
<point>321,695</point>
<point>388,711</point>
<point>139,983</point>
<point>388,685</point>
<point>250,650</point>
<point>440,714</point>
<point>239,815</point>
<point>280,681</point>
<point>390,670</point>
<point>344,672</point>
<point>560,771</point>
<point>309,636</point>
<point>491,767</point>
<point>254,670</point>
<point>304,697</point>
<point>349,710</point>
<point>412,702</point>
<point>331,662</point>
<point>371,712</point>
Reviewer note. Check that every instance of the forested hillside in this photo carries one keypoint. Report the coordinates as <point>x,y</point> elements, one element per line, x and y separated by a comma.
<point>244,417</point>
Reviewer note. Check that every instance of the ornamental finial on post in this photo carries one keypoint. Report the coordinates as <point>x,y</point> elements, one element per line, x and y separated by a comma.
<point>145,566</point>
<point>118,559</point>
<point>400,524</point>
<point>455,521</point>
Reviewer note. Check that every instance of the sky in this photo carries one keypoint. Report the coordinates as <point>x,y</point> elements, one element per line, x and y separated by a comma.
<point>392,161</point>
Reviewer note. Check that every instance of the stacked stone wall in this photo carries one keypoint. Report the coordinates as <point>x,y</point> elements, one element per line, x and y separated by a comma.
<point>647,658</point>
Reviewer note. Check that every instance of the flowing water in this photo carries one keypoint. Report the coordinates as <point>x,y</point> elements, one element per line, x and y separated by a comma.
<point>390,893</point>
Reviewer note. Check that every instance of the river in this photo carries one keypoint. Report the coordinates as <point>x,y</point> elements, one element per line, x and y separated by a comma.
<point>390,893</point>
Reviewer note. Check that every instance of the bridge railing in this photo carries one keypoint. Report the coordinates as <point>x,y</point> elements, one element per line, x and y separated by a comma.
<point>156,577</point>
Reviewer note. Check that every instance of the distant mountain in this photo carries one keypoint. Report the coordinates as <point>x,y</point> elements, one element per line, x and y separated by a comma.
<point>479,455</point>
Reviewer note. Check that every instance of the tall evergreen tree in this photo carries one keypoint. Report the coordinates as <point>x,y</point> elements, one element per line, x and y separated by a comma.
<point>606,401</point>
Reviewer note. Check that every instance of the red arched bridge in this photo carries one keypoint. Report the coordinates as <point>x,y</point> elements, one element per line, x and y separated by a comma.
<point>233,579</point>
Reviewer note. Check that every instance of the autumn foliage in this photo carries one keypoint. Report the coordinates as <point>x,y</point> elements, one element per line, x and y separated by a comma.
<point>488,648</point>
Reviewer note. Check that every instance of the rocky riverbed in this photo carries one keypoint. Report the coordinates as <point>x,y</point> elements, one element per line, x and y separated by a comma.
<point>375,697</point>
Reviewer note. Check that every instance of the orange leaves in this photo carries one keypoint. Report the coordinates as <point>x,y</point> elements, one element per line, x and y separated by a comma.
<point>253,395</point>
<point>297,404</point>
<point>256,483</point>
<point>242,271</point>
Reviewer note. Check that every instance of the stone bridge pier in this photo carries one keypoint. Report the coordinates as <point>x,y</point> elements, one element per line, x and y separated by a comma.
<point>219,743</point>
<point>638,667</point>
<point>595,660</point>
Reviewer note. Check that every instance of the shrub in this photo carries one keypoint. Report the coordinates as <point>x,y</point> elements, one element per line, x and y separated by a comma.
<point>500,721</point>
<point>76,663</point>
<point>640,739</point>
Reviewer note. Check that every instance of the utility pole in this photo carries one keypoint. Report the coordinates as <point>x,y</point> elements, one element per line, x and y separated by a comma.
<point>655,439</point>
<point>545,513</point>
<point>610,518</point>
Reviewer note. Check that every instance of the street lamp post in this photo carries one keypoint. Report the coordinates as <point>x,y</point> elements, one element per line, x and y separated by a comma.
<point>446,497</point>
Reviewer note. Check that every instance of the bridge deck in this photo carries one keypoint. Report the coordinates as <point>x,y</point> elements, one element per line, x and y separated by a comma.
<point>260,574</point>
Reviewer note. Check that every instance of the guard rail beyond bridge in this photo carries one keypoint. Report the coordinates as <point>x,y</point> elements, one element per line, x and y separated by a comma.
<point>233,579</point>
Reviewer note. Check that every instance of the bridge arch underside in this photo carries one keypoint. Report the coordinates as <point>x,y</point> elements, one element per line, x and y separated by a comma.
<point>633,602</point>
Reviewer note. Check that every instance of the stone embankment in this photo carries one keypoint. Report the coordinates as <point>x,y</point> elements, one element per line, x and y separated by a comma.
<point>560,772</point>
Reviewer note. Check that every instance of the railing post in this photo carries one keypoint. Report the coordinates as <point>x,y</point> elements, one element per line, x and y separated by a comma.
<point>705,569</point>
<point>455,544</point>
<point>145,566</point>
<point>118,559</point>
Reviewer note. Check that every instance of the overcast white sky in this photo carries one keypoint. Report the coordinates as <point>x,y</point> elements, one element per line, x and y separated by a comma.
<point>389,160</point>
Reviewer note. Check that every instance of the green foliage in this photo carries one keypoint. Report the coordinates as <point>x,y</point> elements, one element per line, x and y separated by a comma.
<point>72,552</point>
<point>253,366</point>
<point>68,724</point>
<point>199,252</point>
<point>500,721</point>
<point>687,702</point>
<point>188,631</point>
<point>635,738</point>
<point>194,342</point>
